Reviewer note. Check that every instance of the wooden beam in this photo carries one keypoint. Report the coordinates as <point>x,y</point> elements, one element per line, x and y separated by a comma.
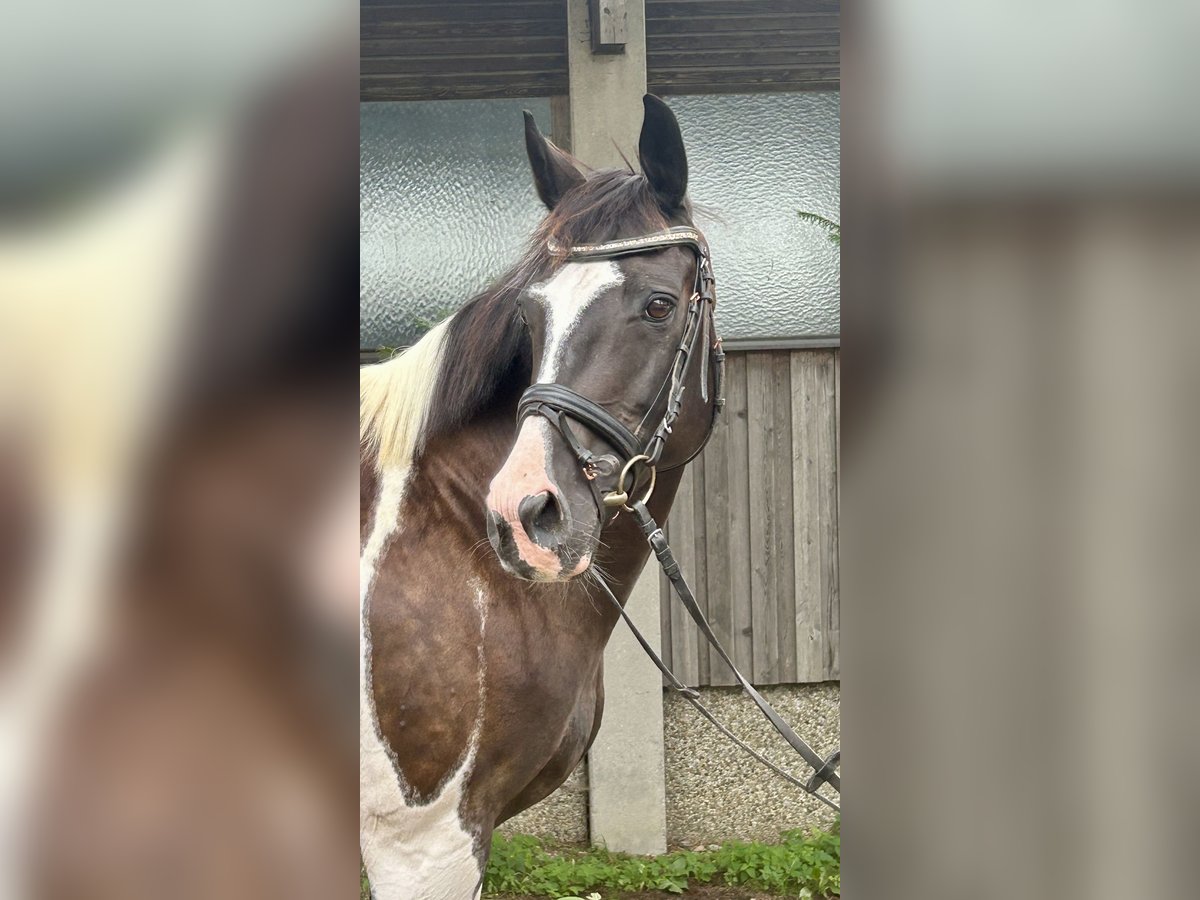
<point>608,20</point>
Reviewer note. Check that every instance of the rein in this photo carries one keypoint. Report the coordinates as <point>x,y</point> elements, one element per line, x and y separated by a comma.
<point>557,403</point>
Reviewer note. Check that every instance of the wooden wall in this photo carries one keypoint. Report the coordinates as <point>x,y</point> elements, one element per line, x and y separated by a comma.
<point>755,527</point>
<point>478,49</point>
<point>462,49</point>
<point>742,46</point>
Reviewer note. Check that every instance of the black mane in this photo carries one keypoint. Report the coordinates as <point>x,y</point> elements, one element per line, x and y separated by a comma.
<point>486,354</point>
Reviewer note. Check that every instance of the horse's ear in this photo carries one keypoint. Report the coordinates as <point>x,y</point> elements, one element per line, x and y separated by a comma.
<point>554,172</point>
<point>660,151</point>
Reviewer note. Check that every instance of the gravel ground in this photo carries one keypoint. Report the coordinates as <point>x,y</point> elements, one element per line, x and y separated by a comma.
<point>716,792</point>
<point>563,816</point>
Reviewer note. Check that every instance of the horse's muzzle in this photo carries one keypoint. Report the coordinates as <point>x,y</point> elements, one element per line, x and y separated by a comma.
<point>542,544</point>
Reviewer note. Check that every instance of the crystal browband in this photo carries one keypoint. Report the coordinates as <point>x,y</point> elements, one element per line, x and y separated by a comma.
<point>680,236</point>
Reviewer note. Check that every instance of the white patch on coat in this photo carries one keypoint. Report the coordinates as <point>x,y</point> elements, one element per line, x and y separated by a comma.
<point>412,851</point>
<point>565,297</point>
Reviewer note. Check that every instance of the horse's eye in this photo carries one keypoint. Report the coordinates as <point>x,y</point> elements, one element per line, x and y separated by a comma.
<point>659,307</point>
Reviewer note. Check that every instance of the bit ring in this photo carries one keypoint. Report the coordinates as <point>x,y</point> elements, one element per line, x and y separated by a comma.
<point>620,497</point>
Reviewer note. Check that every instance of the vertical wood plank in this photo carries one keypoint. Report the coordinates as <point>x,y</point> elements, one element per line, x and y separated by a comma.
<point>742,648</point>
<point>719,577</point>
<point>785,548</point>
<point>813,503</point>
<point>834,671</point>
<point>700,581</point>
<point>666,651</point>
<point>808,622</point>
<point>684,637</point>
<point>765,595</point>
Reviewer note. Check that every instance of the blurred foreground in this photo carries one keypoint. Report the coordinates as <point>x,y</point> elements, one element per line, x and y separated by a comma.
<point>178,454</point>
<point>1020,488</point>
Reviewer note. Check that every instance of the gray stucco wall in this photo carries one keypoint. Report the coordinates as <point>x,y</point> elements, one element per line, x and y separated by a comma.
<point>715,792</point>
<point>447,203</point>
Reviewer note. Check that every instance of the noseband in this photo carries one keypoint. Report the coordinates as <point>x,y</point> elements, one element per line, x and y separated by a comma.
<point>557,403</point>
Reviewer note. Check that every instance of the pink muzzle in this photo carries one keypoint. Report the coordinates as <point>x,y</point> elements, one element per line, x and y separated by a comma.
<point>525,474</point>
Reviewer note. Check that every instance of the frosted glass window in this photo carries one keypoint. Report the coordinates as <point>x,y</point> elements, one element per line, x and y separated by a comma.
<point>756,160</point>
<point>447,204</point>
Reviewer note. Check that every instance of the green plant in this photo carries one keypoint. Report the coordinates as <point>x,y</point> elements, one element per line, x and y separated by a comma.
<point>832,228</point>
<point>801,862</point>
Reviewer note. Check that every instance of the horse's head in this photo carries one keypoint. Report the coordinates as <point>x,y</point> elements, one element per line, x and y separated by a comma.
<point>606,327</point>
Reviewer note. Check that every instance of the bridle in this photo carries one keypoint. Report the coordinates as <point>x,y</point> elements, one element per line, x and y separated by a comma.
<point>557,404</point>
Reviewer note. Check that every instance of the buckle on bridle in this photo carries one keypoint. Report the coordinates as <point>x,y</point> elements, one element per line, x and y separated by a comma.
<point>598,466</point>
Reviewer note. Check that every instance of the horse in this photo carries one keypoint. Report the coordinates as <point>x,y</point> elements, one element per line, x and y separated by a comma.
<point>497,454</point>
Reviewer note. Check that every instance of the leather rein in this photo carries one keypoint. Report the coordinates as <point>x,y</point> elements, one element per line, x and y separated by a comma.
<point>558,404</point>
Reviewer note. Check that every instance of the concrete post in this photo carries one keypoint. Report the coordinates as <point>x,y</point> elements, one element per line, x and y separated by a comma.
<point>605,88</point>
<point>626,777</point>
<point>627,791</point>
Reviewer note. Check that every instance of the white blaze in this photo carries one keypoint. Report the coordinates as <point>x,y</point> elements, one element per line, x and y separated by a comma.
<point>565,297</point>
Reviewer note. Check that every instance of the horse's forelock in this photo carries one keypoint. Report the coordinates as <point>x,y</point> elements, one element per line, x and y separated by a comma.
<point>611,203</point>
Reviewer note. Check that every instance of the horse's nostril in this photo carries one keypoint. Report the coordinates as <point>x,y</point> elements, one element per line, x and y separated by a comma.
<point>542,518</point>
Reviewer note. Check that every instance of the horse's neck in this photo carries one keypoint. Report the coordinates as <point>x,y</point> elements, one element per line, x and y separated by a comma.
<point>458,468</point>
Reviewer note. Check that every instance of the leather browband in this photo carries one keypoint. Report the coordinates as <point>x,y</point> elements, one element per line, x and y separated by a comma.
<point>679,236</point>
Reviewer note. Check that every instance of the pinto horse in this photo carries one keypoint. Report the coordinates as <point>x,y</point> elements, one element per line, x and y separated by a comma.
<point>484,540</point>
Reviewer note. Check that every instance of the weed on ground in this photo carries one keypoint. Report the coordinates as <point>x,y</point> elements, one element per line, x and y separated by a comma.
<point>801,865</point>
<point>805,865</point>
